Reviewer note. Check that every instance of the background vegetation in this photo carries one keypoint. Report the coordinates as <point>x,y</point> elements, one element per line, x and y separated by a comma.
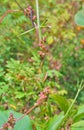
<point>29,66</point>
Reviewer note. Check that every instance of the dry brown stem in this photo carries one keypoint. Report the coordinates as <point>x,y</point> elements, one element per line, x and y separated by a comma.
<point>6,13</point>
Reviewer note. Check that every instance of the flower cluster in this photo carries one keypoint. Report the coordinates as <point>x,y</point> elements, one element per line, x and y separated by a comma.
<point>42,96</point>
<point>43,48</point>
<point>10,123</point>
<point>29,12</point>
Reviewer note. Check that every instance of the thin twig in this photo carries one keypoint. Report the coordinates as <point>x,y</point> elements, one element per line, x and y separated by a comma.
<point>6,13</point>
<point>27,112</point>
<point>19,5</point>
<point>42,97</point>
<point>10,11</point>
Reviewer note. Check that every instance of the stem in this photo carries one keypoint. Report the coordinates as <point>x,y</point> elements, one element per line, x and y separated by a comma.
<point>81,86</point>
<point>38,19</point>
<point>73,102</point>
<point>27,112</point>
<point>19,5</point>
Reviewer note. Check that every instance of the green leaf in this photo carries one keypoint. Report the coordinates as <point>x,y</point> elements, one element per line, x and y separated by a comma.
<point>62,92</point>
<point>79,18</point>
<point>20,95</point>
<point>61,102</point>
<point>80,114</point>
<point>38,127</point>
<point>50,40</point>
<point>78,126</point>
<point>55,122</point>
<point>23,124</point>
<point>53,72</point>
<point>3,88</point>
<point>81,109</point>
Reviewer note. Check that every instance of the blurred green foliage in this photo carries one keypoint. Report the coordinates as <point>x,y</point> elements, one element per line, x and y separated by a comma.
<point>24,72</point>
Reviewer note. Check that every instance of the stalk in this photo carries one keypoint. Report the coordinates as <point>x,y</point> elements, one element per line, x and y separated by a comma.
<point>38,20</point>
<point>81,86</point>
